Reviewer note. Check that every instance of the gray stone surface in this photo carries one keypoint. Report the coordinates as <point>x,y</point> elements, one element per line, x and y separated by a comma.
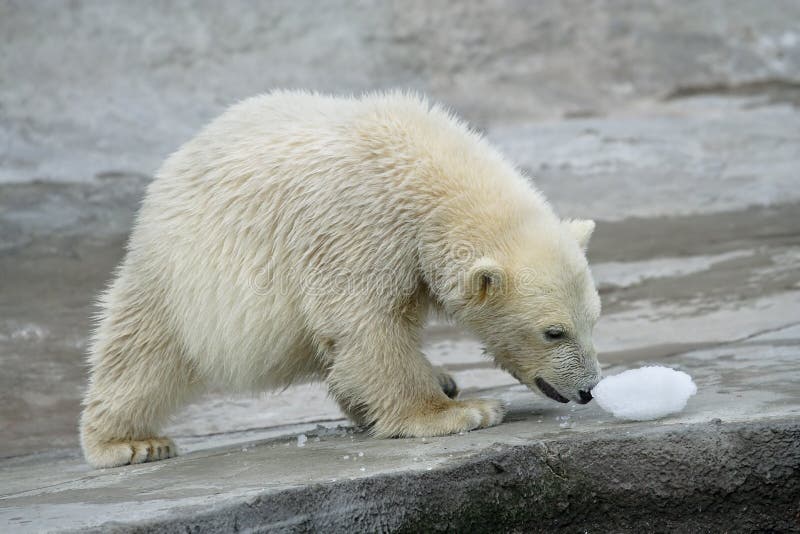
<point>546,467</point>
<point>92,86</point>
<point>674,124</point>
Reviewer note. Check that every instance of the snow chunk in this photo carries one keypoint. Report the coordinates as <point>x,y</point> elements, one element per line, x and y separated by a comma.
<point>301,440</point>
<point>644,394</point>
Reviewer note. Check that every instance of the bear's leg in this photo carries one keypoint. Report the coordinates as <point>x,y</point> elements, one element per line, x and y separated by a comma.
<point>383,377</point>
<point>357,414</point>
<point>136,382</point>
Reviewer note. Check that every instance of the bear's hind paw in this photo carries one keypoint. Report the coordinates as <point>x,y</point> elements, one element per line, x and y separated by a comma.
<point>123,452</point>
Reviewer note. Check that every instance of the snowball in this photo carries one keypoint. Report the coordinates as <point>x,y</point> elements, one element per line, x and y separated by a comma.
<point>644,394</point>
<point>301,440</point>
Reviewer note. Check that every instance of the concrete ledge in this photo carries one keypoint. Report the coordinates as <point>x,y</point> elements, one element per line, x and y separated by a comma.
<point>700,477</point>
<point>737,477</point>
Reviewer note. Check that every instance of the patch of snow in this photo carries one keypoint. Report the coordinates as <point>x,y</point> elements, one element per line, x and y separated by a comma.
<point>645,394</point>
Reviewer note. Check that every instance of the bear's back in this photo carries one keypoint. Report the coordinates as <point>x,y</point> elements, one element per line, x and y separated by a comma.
<point>247,224</point>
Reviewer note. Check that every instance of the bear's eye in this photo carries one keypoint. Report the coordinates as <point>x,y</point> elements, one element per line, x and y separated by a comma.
<point>554,333</point>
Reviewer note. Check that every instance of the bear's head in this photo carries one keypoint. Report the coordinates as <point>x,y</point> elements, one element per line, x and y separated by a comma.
<point>534,305</point>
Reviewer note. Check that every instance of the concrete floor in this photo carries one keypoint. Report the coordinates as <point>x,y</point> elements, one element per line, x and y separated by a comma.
<point>697,258</point>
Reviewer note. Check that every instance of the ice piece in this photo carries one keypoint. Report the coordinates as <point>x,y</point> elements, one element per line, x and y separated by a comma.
<point>644,394</point>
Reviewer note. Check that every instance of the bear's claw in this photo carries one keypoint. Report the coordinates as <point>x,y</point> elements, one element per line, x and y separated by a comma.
<point>448,385</point>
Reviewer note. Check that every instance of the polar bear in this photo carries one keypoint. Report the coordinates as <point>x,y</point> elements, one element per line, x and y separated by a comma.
<point>304,237</point>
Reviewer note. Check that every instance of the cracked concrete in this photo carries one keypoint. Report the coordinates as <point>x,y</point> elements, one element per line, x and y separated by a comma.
<point>682,138</point>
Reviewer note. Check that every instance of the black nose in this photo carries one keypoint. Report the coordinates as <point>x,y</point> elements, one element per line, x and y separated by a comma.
<point>585,396</point>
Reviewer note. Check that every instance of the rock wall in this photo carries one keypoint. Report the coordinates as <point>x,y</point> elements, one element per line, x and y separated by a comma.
<point>89,86</point>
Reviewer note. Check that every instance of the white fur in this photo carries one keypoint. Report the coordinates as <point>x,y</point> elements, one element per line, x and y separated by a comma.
<point>303,237</point>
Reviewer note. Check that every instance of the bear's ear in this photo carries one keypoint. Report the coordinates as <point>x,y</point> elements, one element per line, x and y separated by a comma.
<point>581,230</point>
<point>485,279</point>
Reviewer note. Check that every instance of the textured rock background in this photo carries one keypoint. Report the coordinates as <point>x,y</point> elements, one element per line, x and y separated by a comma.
<point>88,87</point>
<point>632,112</point>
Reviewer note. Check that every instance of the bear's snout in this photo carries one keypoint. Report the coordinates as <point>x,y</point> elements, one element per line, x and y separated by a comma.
<point>585,396</point>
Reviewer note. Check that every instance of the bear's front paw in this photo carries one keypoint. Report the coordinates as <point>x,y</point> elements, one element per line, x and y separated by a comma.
<point>439,419</point>
<point>122,452</point>
<point>491,412</point>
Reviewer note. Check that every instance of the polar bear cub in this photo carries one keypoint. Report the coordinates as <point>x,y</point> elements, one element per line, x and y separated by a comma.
<point>304,237</point>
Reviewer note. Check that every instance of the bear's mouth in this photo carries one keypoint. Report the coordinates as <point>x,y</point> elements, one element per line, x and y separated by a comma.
<point>549,390</point>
